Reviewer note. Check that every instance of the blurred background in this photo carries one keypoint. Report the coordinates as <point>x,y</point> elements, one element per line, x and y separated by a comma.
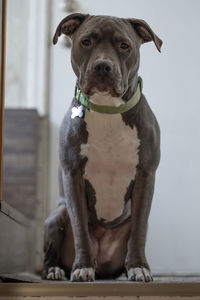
<point>40,86</point>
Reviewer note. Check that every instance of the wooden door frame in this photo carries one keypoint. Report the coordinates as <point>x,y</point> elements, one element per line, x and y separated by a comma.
<point>3,4</point>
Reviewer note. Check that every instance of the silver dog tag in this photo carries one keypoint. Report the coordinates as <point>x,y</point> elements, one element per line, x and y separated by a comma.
<point>77,111</point>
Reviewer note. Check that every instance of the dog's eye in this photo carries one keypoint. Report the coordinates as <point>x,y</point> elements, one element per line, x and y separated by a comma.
<point>124,46</point>
<point>86,43</point>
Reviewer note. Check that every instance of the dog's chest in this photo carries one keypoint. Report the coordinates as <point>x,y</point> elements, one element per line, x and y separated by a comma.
<point>112,152</point>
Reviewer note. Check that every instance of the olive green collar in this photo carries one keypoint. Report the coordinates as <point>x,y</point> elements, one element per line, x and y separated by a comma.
<point>104,109</point>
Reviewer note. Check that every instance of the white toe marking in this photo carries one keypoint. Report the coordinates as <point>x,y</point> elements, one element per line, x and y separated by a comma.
<point>147,274</point>
<point>75,274</point>
<point>91,273</point>
<point>139,274</point>
<point>84,274</point>
<point>50,276</point>
<point>55,273</point>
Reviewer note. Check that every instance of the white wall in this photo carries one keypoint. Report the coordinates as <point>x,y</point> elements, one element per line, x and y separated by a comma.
<point>16,53</point>
<point>27,55</point>
<point>171,85</point>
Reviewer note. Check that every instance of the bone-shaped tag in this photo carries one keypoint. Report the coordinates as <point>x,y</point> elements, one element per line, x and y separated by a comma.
<point>77,111</point>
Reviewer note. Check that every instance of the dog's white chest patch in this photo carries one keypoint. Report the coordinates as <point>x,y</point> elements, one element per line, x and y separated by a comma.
<point>112,152</point>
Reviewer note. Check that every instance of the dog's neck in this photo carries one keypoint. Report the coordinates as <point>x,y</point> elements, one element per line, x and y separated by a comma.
<point>131,89</point>
<point>101,103</point>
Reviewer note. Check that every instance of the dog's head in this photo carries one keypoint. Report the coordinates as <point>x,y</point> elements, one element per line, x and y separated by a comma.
<point>105,51</point>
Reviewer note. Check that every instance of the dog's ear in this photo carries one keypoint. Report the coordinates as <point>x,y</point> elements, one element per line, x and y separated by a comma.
<point>69,25</point>
<point>145,32</point>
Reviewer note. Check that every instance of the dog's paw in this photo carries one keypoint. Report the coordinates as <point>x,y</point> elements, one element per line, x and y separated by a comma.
<point>139,274</point>
<point>55,273</point>
<point>83,274</point>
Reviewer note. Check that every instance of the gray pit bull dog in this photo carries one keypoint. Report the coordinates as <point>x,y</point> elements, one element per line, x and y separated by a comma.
<point>109,151</point>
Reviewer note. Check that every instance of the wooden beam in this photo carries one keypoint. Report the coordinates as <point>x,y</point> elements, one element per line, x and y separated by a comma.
<point>17,242</point>
<point>106,288</point>
<point>14,214</point>
<point>16,246</point>
<point>2,85</point>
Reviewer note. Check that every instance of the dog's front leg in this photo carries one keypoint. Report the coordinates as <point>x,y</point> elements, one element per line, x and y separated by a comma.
<point>72,134</point>
<point>136,263</point>
<point>83,266</point>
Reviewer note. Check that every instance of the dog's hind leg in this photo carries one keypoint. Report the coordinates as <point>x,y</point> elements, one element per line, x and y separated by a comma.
<point>54,238</point>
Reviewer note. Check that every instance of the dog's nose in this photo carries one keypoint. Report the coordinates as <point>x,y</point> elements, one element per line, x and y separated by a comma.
<point>103,67</point>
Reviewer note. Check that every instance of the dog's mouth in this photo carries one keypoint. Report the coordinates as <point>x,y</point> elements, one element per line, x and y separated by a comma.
<point>103,92</point>
<point>103,89</point>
